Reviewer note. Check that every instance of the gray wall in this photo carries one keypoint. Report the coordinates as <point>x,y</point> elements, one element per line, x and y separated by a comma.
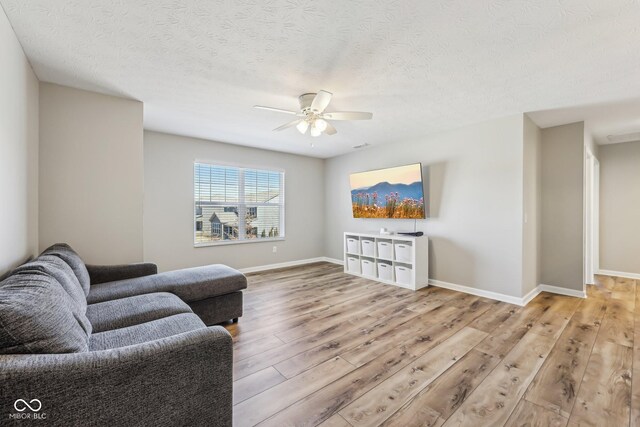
<point>83,184</point>
<point>620,207</point>
<point>562,171</point>
<point>91,178</point>
<point>475,188</point>
<point>532,187</point>
<point>18,152</point>
<point>482,181</point>
<point>168,204</point>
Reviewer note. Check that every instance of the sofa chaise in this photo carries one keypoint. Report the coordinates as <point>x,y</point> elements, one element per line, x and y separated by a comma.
<point>116,345</point>
<point>213,292</point>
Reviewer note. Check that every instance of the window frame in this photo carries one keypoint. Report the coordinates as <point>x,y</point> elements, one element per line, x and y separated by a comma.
<point>247,205</point>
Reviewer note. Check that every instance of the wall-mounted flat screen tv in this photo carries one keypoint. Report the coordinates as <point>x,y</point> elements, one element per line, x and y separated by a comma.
<point>388,193</point>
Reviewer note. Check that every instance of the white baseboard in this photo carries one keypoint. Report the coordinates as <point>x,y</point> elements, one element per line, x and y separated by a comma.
<point>333,260</point>
<point>290,264</point>
<point>531,295</point>
<point>508,298</point>
<point>635,276</point>
<point>562,291</point>
<point>281,265</point>
<point>477,292</point>
<point>452,286</point>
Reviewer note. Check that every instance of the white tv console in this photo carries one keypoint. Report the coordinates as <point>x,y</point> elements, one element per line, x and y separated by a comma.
<point>393,259</point>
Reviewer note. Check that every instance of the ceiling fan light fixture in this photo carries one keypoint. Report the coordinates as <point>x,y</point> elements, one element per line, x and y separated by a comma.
<point>302,126</point>
<point>315,131</point>
<point>312,115</point>
<point>320,124</point>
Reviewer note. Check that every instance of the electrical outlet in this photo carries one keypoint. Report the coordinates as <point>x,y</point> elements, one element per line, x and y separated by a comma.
<point>275,249</point>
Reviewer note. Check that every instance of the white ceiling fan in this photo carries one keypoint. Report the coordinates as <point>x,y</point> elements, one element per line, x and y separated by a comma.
<point>312,115</point>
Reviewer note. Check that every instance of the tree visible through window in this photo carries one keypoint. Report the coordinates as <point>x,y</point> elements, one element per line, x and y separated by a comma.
<point>235,203</point>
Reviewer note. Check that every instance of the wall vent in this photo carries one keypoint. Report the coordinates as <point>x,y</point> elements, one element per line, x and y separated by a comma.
<point>361,146</point>
<point>627,137</point>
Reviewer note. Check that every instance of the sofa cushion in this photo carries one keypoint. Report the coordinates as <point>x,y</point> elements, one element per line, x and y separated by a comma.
<point>190,284</point>
<point>68,255</point>
<point>149,331</point>
<point>130,311</point>
<point>38,316</point>
<point>64,275</point>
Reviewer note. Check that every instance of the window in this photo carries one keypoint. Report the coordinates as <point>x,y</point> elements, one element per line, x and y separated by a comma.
<point>225,194</point>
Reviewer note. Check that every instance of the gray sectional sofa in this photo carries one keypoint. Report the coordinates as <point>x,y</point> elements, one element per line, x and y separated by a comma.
<point>116,345</point>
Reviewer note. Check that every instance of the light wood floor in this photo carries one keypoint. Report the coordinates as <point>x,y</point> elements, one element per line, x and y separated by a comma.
<point>318,347</point>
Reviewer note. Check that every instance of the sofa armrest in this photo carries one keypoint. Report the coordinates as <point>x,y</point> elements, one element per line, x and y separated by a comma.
<point>185,379</point>
<point>111,273</point>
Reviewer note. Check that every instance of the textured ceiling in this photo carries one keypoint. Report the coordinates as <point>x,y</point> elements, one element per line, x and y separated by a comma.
<point>420,66</point>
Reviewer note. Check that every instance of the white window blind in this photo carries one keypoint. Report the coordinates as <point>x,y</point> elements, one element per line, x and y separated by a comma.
<point>237,204</point>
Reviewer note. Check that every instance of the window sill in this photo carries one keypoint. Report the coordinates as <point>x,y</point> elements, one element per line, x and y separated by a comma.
<point>237,242</point>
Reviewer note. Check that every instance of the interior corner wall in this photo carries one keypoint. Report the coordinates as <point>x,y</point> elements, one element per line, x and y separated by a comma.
<point>18,152</point>
<point>91,174</point>
<point>590,143</point>
<point>474,188</point>
<point>169,205</point>
<point>562,169</point>
<point>532,197</point>
<point>620,208</point>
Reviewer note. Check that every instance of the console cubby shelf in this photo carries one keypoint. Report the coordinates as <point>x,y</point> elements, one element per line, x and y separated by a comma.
<point>392,259</point>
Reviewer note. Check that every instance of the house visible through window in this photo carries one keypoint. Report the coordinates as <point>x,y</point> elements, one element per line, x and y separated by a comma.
<point>235,203</point>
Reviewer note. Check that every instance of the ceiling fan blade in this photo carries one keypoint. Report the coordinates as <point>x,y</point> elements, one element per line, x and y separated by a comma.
<point>348,115</point>
<point>330,130</point>
<point>321,101</point>
<point>279,110</point>
<point>288,125</point>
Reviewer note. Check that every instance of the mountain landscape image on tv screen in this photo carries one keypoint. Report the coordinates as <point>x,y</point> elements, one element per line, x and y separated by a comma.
<point>388,193</point>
